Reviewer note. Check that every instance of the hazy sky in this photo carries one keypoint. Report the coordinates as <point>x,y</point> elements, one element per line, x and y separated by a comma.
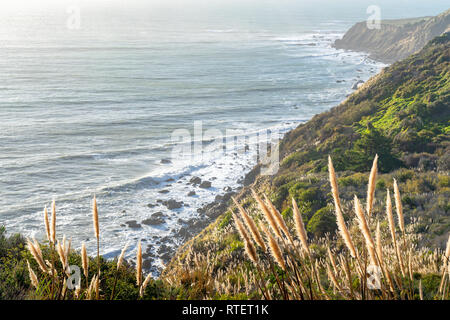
<point>16,14</point>
<point>185,3</point>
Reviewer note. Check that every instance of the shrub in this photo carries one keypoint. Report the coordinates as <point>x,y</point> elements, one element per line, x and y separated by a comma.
<point>321,222</point>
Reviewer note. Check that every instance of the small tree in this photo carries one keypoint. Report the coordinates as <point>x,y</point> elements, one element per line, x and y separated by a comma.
<point>322,221</point>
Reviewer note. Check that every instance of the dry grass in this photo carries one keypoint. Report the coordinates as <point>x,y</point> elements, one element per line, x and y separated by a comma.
<point>336,266</point>
<point>58,277</point>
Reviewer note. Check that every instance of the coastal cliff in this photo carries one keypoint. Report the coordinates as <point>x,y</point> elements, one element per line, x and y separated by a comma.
<point>396,39</point>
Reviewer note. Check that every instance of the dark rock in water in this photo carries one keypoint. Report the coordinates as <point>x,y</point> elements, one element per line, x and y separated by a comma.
<point>170,180</point>
<point>163,191</point>
<point>163,249</point>
<point>167,239</point>
<point>205,185</point>
<point>227,189</point>
<point>191,193</point>
<point>159,201</point>
<point>166,161</point>
<point>155,219</point>
<point>356,84</point>
<point>133,224</point>
<point>147,263</point>
<point>151,205</point>
<point>214,209</point>
<point>172,204</point>
<point>183,233</point>
<point>166,257</point>
<point>195,180</point>
<point>165,252</point>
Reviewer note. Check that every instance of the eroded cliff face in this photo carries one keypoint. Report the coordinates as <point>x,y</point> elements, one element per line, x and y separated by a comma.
<point>396,39</point>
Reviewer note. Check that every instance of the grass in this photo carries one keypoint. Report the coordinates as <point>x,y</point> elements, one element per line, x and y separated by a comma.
<point>290,264</point>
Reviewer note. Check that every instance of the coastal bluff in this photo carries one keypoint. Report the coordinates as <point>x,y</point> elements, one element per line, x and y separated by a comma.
<point>396,39</point>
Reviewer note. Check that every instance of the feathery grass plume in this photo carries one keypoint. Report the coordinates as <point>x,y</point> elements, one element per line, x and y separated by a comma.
<point>93,286</point>
<point>371,186</point>
<point>97,236</point>
<point>333,279</point>
<point>61,253</point>
<point>390,217</point>
<point>378,242</point>
<point>37,247</point>
<point>252,226</point>
<point>66,252</point>
<point>53,224</point>
<point>95,218</point>
<point>267,214</point>
<point>362,222</point>
<point>279,219</point>
<point>97,287</point>
<point>300,226</point>
<point>241,229</point>
<point>333,261</point>
<point>139,264</point>
<point>410,266</point>
<point>274,248</point>
<point>84,260</point>
<point>391,221</point>
<point>37,255</point>
<point>446,266</point>
<point>420,289</point>
<point>399,207</point>
<point>122,253</point>
<point>333,182</point>
<point>47,224</point>
<point>69,245</point>
<point>345,234</point>
<point>447,249</point>
<point>249,247</point>
<point>33,277</point>
<point>144,285</point>
<point>251,251</point>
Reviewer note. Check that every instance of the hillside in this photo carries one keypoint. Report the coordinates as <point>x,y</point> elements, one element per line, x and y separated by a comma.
<point>402,115</point>
<point>396,39</point>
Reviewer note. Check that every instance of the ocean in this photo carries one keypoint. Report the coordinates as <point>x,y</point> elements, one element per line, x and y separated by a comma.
<point>91,94</point>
